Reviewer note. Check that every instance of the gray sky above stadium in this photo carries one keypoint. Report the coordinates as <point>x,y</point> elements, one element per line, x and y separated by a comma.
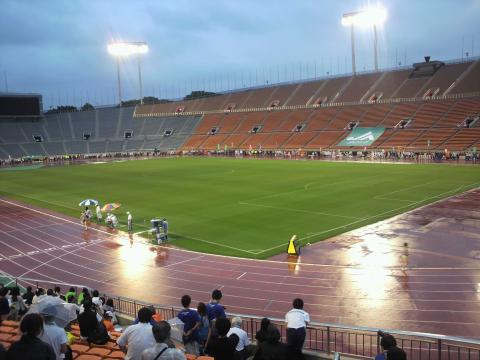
<point>58,48</point>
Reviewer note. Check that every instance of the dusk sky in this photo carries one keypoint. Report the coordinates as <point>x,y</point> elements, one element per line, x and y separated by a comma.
<point>58,48</point>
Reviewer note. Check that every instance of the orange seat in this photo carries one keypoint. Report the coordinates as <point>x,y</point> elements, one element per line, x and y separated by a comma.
<point>191,356</point>
<point>205,358</point>
<point>5,344</point>
<point>96,350</point>
<point>116,355</point>
<point>74,354</point>
<point>8,330</point>
<point>88,357</point>
<point>10,323</point>
<point>79,348</point>
<point>4,337</point>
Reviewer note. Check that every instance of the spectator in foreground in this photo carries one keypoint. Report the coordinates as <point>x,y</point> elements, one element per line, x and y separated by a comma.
<point>55,336</point>
<point>191,321</point>
<point>17,304</point>
<point>223,347</point>
<point>30,346</point>
<point>214,309</point>
<point>261,334</point>
<point>4,305</point>
<point>204,328</point>
<point>138,337</point>
<point>297,321</point>
<point>390,349</point>
<point>243,340</point>
<point>272,348</point>
<point>107,321</point>
<point>110,307</point>
<point>161,350</point>
<point>28,296</point>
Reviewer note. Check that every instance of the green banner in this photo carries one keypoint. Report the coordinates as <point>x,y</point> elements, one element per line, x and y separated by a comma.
<point>362,136</point>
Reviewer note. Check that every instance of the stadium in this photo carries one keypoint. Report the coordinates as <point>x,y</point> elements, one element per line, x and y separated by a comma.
<point>355,190</point>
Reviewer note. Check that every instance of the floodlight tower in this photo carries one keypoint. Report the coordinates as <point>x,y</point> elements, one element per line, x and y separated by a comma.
<point>372,16</point>
<point>125,49</point>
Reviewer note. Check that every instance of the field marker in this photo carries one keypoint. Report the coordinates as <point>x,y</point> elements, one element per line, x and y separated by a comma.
<point>298,210</point>
<point>238,278</point>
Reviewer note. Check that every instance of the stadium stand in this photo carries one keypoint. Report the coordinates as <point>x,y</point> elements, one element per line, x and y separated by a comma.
<point>441,100</point>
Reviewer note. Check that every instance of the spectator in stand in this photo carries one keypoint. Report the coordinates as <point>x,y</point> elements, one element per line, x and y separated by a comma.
<point>88,320</point>
<point>70,294</point>
<point>55,336</point>
<point>58,292</point>
<point>82,295</point>
<point>38,294</point>
<point>17,304</point>
<point>297,321</point>
<point>261,334</point>
<point>223,347</point>
<point>390,349</point>
<point>50,292</point>
<point>272,348</point>
<point>107,321</point>
<point>28,296</point>
<point>243,341</point>
<point>191,319</point>
<point>109,307</point>
<point>204,328</point>
<point>4,305</point>
<point>3,353</point>
<point>161,350</point>
<point>156,317</point>
<point>214,309</point>
<point>97,301</point>
<point>138,337</point>
<point>30,346</point>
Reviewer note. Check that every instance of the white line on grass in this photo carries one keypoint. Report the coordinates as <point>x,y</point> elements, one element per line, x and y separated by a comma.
<point>298,210</point>
<point>374,216</point>
<point>381,196</point>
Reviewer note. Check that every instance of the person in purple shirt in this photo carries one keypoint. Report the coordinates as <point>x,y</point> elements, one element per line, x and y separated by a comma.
<point>214,309</point>
<point>191,319</point>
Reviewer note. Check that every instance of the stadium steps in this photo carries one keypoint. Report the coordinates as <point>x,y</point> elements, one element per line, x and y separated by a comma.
<point>371,89</point>
<point>468,80</point>
<point>291,96</point>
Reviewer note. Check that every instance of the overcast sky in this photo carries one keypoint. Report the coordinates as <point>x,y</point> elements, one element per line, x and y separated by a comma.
<point>58,48</point>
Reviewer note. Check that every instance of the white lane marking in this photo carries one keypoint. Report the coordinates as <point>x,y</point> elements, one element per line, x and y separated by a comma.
<point>245,273</point>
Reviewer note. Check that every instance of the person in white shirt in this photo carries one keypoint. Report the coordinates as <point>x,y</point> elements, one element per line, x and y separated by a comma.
<point>297,321</point>
<point>138,337</point>
<point>55,336</point>
<point>129,221</point>
<point>99,214</point>
<point>114,220</point>
<point>161,351</point>
<point>97,302</point>
<point>244,341</point>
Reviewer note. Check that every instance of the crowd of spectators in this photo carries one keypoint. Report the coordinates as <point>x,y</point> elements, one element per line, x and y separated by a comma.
<point>205,330</point>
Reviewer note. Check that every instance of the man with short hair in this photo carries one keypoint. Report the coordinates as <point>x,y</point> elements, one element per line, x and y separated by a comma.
<point>191,319</point>
<point>223,347</point>
<point>161,351</point>
<point>138,337</point>
<point>243,342</point>
<point>297,321</point>
<point>214,309</point>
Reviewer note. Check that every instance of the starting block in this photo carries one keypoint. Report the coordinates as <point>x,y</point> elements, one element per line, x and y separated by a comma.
<point>293,246</point>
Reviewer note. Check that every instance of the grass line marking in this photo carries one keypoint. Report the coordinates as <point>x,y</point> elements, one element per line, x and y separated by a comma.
<point>299,210</point>
<point>375,216</point>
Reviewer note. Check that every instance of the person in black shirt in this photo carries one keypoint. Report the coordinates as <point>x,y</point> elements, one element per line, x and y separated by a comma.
<point>262,333</point>
<point>88,320</point>
<point>30,346</point>
<point>28,296</point>
<point>223,347</point>
<point>272,348</point>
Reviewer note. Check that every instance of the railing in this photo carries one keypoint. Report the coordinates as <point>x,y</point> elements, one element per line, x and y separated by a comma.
<point>351,341</point>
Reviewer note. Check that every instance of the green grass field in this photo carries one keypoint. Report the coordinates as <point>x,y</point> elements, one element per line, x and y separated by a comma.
<point>240,207</point>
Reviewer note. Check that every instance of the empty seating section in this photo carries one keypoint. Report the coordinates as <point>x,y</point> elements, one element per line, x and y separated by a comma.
<point>400,138</point>
<point>304,93</point>
<point>432,139</point>
<point>325,139</point>
<point>230,122</point>
<point>33,128</point>
<point>346,115</point>
<point>273,119</point>
<point>34,149</point>
<point>459,111</point>
<point>108,123</point>
<point>430,113</point>
<point>55,148</point>
<point>298,140</point>
<point>14,150</point>
<point>194,142</point>
<point>254,141</point>
<point>446,76</point>
<point>374,114</point>
<point>357,88</point>
<point>76,147</point>
<point>235,140</point>
<point>259,98</point>
<point>208,122</point>
<point>320,118</point>
<point>84,122</point>
<point>411,88</point>
<point>237,99</point>
<point>276,140</point>
<point>52,127</point>
<point>151,126</point>
<point>282,94</point>
<point>399,112</point>
<point>331,89</point>
<point>463,139</point>
<point>212,102</point>
<point>387,86</point>
<point>470,81</point>
<point>249,121</point>
<point>12,133</point>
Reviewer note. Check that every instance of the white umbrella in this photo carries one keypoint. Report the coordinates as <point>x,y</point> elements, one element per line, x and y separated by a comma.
<point>61,312</point>
<point>88,202</point>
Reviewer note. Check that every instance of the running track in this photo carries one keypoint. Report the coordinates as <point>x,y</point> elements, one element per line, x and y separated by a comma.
<point>352,279</point>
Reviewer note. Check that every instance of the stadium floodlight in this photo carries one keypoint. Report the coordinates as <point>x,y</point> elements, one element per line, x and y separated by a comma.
<point>371,16</point>
<point>126,49</point>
